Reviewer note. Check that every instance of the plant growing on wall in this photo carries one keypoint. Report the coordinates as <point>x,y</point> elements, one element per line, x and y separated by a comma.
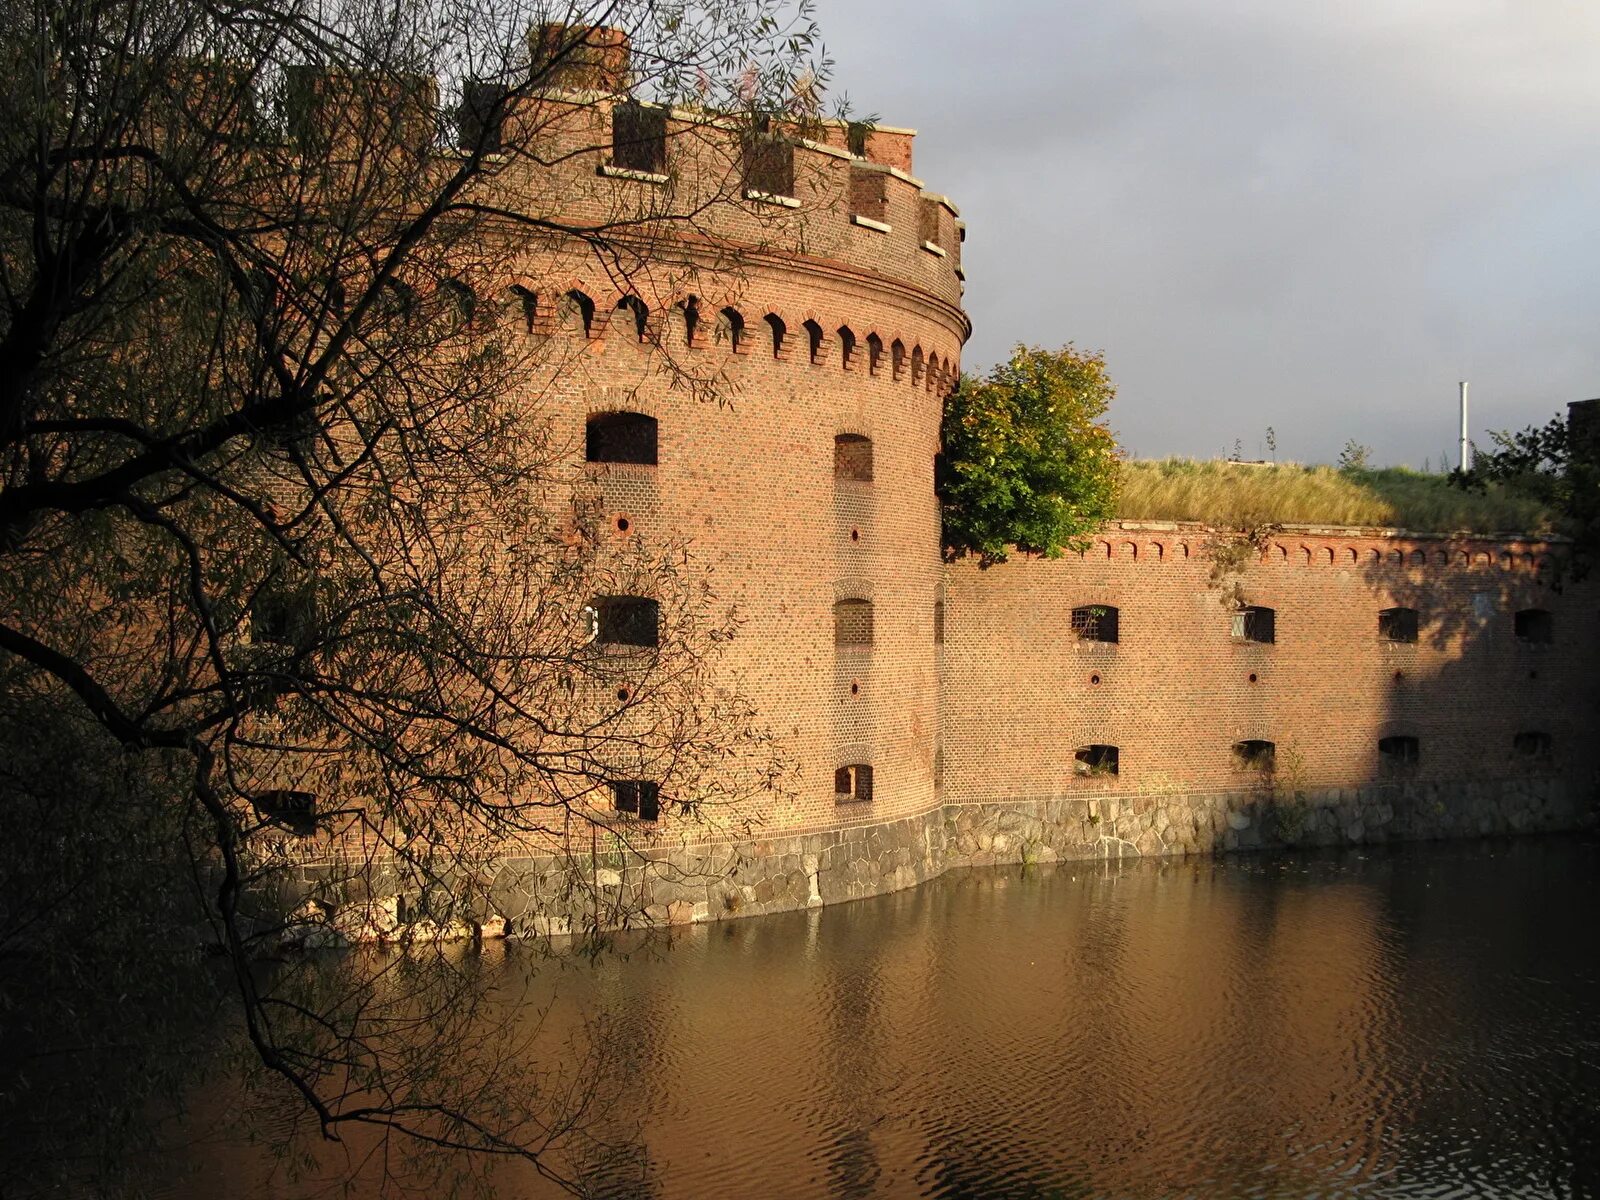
<point>1027,461</point>
<point>1291,810</point>
<point>1231,552</point>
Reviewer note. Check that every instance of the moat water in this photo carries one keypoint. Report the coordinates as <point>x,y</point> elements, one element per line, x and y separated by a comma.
<point>1413,1022</point>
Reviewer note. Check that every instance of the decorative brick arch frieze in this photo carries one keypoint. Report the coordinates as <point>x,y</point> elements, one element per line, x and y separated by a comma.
<point>839,343</point>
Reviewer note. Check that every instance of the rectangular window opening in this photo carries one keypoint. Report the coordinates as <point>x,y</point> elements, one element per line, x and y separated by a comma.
<point>637,798</point>
<point>1255,755</point>
<point>1252,623</point>
<point>1398,625</point>
<point>1091,761</point>
<point>1399,755</point>
<point>1536,626</point>
<point>1095,623</point>
<point>639,138</point>
<point>627,621</point>
<point>1531,745</point>
<point>853,784</point>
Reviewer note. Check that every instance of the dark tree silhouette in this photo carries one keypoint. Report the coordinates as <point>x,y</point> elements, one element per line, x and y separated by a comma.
<point>291,586</point>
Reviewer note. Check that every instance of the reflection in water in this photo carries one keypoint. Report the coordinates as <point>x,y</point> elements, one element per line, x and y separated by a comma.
<point>1420,1022</point>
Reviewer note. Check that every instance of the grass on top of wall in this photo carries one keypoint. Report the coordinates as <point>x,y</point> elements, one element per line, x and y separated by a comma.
<point>1243,495</point>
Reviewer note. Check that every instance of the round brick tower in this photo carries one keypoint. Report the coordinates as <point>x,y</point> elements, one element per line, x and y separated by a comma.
<point>764,383</point>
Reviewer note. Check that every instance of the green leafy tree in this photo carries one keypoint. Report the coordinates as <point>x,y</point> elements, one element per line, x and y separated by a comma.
<point>1027,461</point>
<point>1546,463</point>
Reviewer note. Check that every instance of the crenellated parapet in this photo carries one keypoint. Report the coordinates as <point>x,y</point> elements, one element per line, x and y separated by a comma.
<point>581,153</point>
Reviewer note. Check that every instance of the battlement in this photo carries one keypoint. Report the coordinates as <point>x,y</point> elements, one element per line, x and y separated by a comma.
<point>580,149</point>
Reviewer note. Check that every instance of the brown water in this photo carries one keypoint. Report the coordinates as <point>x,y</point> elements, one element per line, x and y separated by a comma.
<point>1417,1022</point>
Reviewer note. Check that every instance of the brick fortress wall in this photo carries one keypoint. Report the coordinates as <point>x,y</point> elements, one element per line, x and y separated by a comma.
<point>839,318</point>
<point>970,701</point>
<point>1180,687</point>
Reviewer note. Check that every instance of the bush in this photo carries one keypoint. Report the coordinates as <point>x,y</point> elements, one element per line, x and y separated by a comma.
<point>1025,462</point>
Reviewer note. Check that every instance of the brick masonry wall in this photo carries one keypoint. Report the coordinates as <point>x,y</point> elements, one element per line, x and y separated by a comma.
<point>1175,693</point>
<point>748,481</point>
<point>972,741</point>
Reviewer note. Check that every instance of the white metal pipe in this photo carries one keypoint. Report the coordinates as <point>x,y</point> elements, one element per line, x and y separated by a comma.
<point>1466,445</point>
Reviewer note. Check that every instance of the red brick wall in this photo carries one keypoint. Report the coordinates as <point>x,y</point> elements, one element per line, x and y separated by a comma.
<point>1177,690</point>
<point>749,483</point>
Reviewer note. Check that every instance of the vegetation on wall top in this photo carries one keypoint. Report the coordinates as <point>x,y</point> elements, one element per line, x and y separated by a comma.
<point>1235,495</point>
<point>1549,466</point>
<point>1026,462</point>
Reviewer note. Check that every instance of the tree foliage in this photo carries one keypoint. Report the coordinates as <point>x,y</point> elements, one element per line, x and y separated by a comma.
<point>1026,460</point>
<point>1545,463</point>
<point>282,515</point>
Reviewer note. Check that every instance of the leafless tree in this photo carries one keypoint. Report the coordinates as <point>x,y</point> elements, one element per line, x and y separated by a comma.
<point>294,576</point>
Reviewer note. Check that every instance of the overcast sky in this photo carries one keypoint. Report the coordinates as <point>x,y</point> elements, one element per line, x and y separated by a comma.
<point>1315,216</point>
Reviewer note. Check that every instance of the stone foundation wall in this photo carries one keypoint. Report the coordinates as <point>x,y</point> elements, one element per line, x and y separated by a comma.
<point>1049,830</point>
<point>552,898</point>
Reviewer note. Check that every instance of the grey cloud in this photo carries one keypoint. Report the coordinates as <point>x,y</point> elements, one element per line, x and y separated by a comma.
<point>1317,217</point>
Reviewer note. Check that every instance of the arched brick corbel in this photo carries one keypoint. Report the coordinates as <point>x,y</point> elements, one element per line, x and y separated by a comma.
<point>728,327</point>
<point>562,301</point>
<point>814,329</point>
<point>777,335</point>
<point>849,348</point>
<point>676,318</point>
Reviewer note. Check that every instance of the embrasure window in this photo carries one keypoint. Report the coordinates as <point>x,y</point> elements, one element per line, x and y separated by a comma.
<point>1253,754</point>
<point>852,623</point>
<point>627,620</point>
<point>1535,625</point>
<point>1531,745</point>
<point>1252,623</point>
<point>852,783</point>
<point>852,457</point>
<point>620,437</point>
<point>1398,755</point>
<point>295,810</point>
<point>637,797</point>
<point>1398,624</point>
<point>639,138</point>
<point>1095,760</point>
<point>283,616</point>
<point>1095,623</point>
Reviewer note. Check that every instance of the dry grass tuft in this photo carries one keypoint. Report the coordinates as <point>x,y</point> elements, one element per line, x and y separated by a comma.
<point>1243,495</point>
